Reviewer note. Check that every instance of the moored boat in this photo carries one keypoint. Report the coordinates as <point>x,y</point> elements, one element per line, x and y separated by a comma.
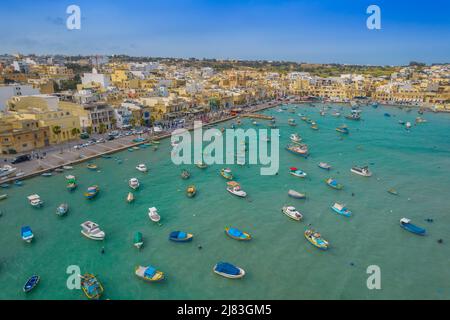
<point>341,209</point>
<point>292,122</point>
<point>92,166</point>
<point>316,239</point>
<point>153,214</point>
<point>301,150</point>
<point>185,175</point>
<point>92,192</point>
<point>92,288</point>
<point>130,197</point>
<point>334,184</point>
<point>180,236</point>
<point>296,195</point>
<point>226,173</point>
<point>362,171</point>
<point>324,165</point>
<point>295,138</point>
<point>62,209</point>
<point>234,188</point>
<point>191,191</point>
<point>149,273</point>
<point>138,241</point>
<point>142,168</point>
<point>237,234</point>
<point>3,196</point>
<point>292,213</point>
<point>92,231</point>
<point>46,174</point>
<point>297,172</point>
<point>343,129</point>
<point>133,183</point>
<point>393,192</point>
<point>407,225</point>
<point>201,165</point>
<point>26,234</point>
<point>35,200</point>
<point>31,283</point>
<point>228,270</point>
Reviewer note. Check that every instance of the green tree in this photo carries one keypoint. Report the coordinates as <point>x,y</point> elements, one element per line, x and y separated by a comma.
<point>56,131</point>
<point>75,132</point>
<point>102,128</point>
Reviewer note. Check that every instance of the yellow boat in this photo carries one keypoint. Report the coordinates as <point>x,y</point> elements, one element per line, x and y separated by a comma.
<point>130,197</point>
<point>92,288</point>
<point>191,191</point>
<point>316,239</point>
<point>149,274</point>
<point>92,166</point>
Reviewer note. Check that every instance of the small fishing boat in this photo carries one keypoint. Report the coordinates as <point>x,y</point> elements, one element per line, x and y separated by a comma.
<point>138,241</point>
<point>292,122</point>
<point>71,184</point>
<point>18,183</point>
<point>31,283</point>
<point>153,214</point>
<point>295,138</point>
<point>142,168</point>
<point>133,183</point>
<point>387,115</point>
<point>407,225</point>
<point>136,148</point>
<point>255,123</point>
<point>355,115</point>
<point>324,165</point>
<point>92,192</point>
<point>3,196</point>
<point>296,195</point>
<point>130,150</point>
<point>315,126</point>
<point>301,150</point>
<point>130,197</point>
<point>292,213</point>
<point>191,191</point>
<point>92,166</point>
<point>393,192</point>
<point>62,209</point>
<point>334,184</point>
<point>47,174</point>
<point>341,209</point>
<point>226,173</point>
<point>35,200</point>
<point>4,186</point>
<point>234,188</point>
<point>92,231</point>
<point>26,234</point>
<point>362,171</point>
<point>180,236</point>
<point>185,175</point>
<point>420,120</point>
<point>59,170</point>
<point>401,122</point>
<point>316,239</point>
<point>149,273</point>
<point>228,270</point>
<point>237,234</point>
<point>297,172</point>
<point>343,129</point>
<point>92,288</point>
<point>374,105</point>
<point>201,165</point>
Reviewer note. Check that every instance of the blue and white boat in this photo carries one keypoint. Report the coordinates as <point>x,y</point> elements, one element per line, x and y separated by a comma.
<point>27,234</point>
<point>341,209</point>
<point>31,283</point>
<point>228,270</point>
<point>62,209</point>
<point>407,225</point>
<point>180,236</point>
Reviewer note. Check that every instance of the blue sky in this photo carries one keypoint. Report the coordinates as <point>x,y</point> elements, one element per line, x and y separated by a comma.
<point>320,31</point>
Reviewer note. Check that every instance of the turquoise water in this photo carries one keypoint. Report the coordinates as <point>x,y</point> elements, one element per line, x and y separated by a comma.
<point>279,262</point>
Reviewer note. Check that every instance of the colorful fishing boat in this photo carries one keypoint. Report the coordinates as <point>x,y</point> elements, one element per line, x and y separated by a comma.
<point>180,236</point>
<point>26,234</point>
<point>191,191</point>
<point>235,188</point>
<point>153,214</point>
<point>296,195</point>
<point>316,239</point>
<point>201,165</point>
<point>292,122</point>
<point>226,173</point>
<point>133,183</point>
<point>407,225</point>
<point>343,129</point>
<point>315,126</point>
<point>341,209</point>
<point>71,183</point>
<point>92,166</point>
<point>92,192</point>
<point>301,150</point>
<point>295,138</point>
<point>130,197</point>
<point>355,115</point>
<point>185,175</point>
<point>35,201</point>
<point>31,283</point>
<point>92,288</point>
<point>62,209</point>
<point>138,241</point>
<point>325,166</point>
<point>334,184</point>
<point>292,213</point>
<point>149,274</point>
<point>237,234</point>
<point>92,231</point>
<point>297,172</point>
<point>228,270</point>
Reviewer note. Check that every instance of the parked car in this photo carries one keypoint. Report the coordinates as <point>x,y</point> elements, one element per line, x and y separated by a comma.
<point>22,158</point>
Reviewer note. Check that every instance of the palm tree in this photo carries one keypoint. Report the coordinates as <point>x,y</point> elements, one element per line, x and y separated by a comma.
<point>75,131</point>
<point>57,131</point>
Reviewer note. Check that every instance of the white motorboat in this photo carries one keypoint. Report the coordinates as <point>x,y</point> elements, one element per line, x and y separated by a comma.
<point>92,231</point>
<point>35,200</point>
<point>153,214</point>
<point>67,167</point>
<point>292,213</point>
<point>142,168</point>
<point>7,170</point>
<point>134,183</point>
<point>234,188</point>
<point>295,138</point>
<point>408,125</point>
<point>362,171</point>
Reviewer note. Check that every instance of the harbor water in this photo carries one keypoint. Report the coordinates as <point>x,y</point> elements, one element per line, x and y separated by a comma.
<point>279,262</point>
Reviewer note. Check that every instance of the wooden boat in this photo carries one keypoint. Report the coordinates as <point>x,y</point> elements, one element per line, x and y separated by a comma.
<point>315,127</point>
<point>92,288</point>
<point>237,234</point>
<point>18,183</point>
<point>228,270</point>
<point>26,234</point>
<point>71,183</point>
<point>92,231</point>
<point>3,196</point>
<point>334,184</point>
<point>149,273</point>
<point>153,214</point>
<point>191,191</point>
<point>180,236</point>
<point>133,183</point>
<point>185,175</point>
<point>407,225</point>
<point>92,166</point>
<point>226,173</point>
<point>292,213</point>
<point>316,239</point>
<point>296,195</point>
<point>62,209</point>
<point>201,165</point>
<point>298,149</point>
<point>295,138</point>
<point>341,209</point>
<point>130,197</point>
<point>92,192</point>
<point>324,165</point>
<point>393,192</point>
<point>292,122</point>
<point>138,241</point>
<point>297,172</point>
<point>343,129</point>
<point>31,283</point>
